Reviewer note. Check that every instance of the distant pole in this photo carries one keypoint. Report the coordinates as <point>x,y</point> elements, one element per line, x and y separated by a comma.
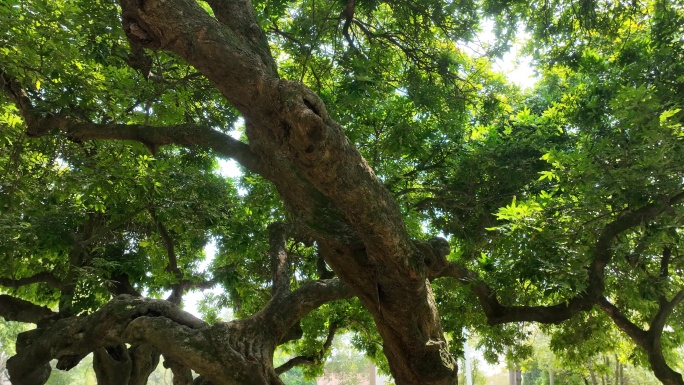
<point>468,360</point>
<point>373,374</point>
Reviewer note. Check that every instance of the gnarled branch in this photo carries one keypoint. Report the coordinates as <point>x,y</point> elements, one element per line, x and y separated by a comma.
<point>70,339</point>
<point>16,309</point>
<point>285,311</point>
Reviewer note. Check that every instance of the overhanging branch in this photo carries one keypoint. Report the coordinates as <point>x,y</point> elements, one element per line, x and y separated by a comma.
<point>151,136</point>
<point>664,310</point>
<point>649,341</point>
<point>42,277</point>
<point>284,311</point>
<point>497,313</point>
<point>16,309</point>
<point>632,330</point>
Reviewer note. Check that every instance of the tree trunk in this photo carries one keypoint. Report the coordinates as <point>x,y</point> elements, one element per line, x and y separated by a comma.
<point>112,365</point>
<point>515,376</point>
<point>661,369</point>
<point>322,178</point>
<point>145,359</point>
<point>182,375</point>
<point>592,374</point>
<point>118,365</point>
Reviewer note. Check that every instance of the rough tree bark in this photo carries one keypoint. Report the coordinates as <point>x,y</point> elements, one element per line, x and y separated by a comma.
<point>329,190</point>
<point>119,365</point>
<point>237,352</point>
<point>322,178</point>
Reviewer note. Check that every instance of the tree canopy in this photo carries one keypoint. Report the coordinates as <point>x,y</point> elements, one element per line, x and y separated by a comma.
<point>394,184</point>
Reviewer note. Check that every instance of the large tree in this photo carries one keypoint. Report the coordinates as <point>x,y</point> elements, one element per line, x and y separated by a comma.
<point>366,128</point>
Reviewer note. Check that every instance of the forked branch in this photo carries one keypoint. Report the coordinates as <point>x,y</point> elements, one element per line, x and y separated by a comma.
<point>497,313</point>
<point>649,340</point>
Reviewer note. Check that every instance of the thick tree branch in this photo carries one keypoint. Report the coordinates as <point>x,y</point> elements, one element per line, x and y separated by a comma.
<point>153,137</point>
<point>16,309</point>
<point>112,365</point>
<point>182,375</point>
<point>70,339</point>
<point>145,360</point>
<point>347,15</point>
<point>665,263</point>
<point>18,95</point>
<point>191,348</point>
<point>497,313</point>
<point>239,16</point>
<point>294,362</point>
<point>138,59</point>
<point>42,277</point>
<point>283,116</point>
<point>177,334</point>
<point>294,333</point>
<point>117,365</point>
<point>664,311</point>
<point>633,331</point>
<point>122,285</point>
<point>649,340</point>
<point>280,269</point>
<point>322,268</point>
<point>285,311</point>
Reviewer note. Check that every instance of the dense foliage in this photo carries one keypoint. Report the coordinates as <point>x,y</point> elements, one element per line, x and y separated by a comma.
<point>411,191</point>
